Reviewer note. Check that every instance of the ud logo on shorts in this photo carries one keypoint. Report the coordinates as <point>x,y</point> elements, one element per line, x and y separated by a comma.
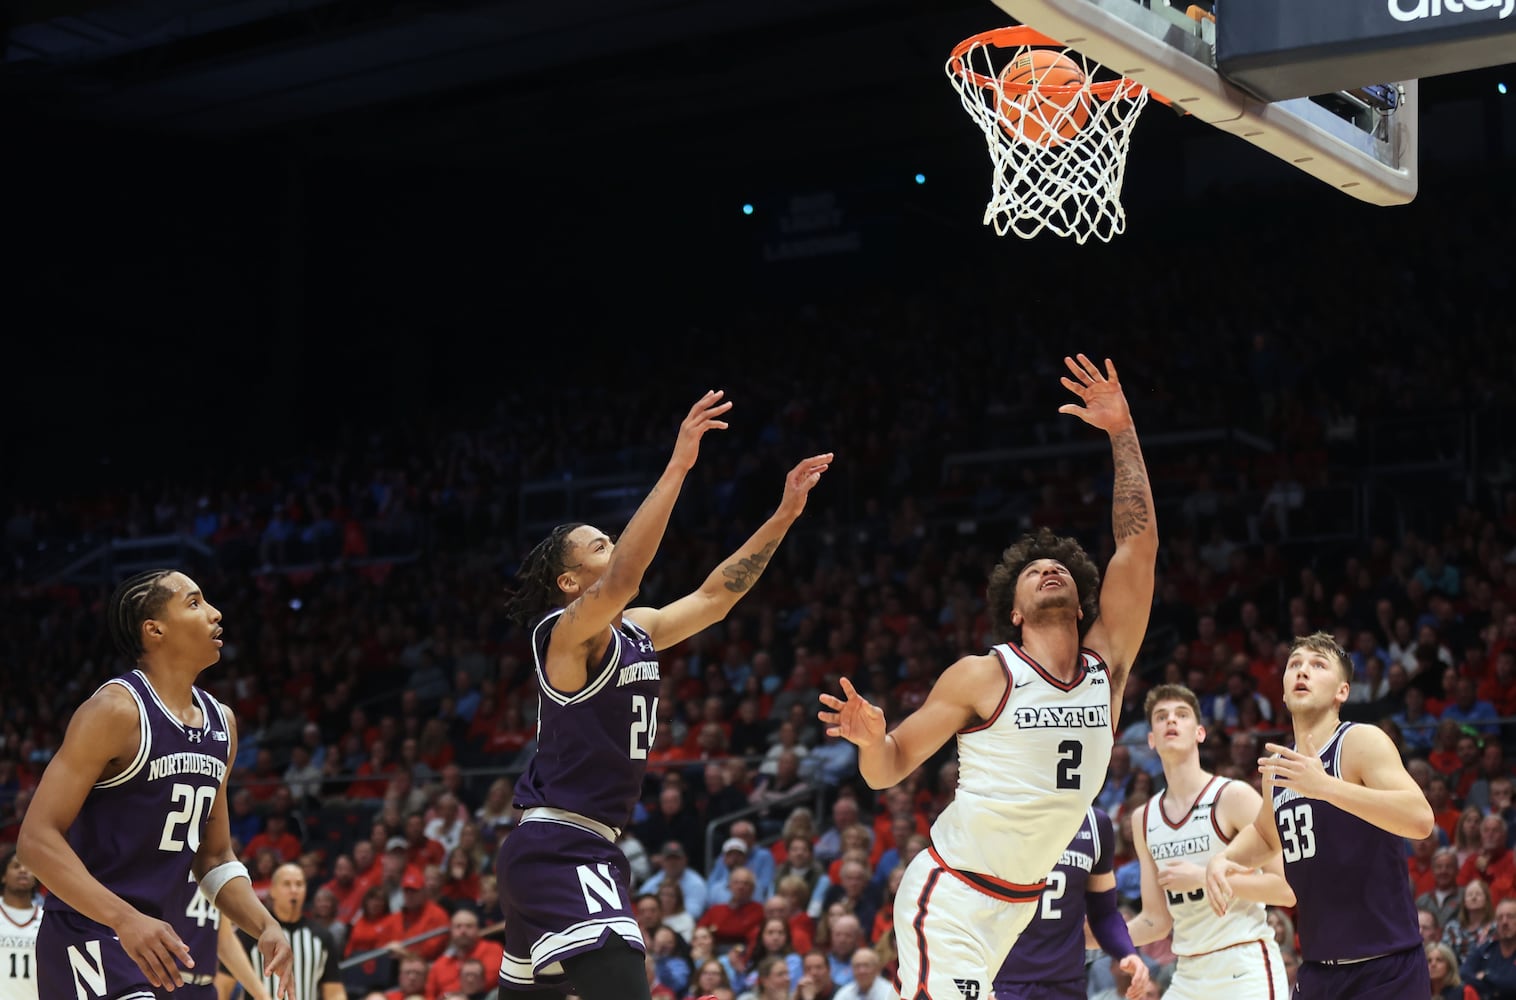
<point>968,987</point>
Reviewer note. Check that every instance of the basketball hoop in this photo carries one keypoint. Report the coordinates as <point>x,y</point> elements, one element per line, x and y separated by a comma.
<point>1058,148</point>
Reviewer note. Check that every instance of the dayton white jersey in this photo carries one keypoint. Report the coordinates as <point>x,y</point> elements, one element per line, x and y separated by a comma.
<point>18,952</point>
<point>1028,775</point>
<point>1195,836</point>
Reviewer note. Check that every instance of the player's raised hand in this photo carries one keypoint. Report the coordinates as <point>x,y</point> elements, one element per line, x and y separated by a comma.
<point>855,720</point>
<point>1302,773</point>
<point>1104,403</point>
<point>1137,969</point>
<point>703,416</point>
<point>801,479</point>
<point>156,948</point>
<point>277,958</point>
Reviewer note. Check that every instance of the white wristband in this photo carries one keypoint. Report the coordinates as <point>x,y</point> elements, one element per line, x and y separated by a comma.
<point>213,881</point>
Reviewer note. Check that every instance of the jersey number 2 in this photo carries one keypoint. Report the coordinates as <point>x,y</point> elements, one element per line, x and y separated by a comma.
<point>644,725</point>
<point>1057,884</point>
<point>1070,753</point>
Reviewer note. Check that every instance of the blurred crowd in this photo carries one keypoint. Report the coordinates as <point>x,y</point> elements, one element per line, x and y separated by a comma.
<point>385,704</point>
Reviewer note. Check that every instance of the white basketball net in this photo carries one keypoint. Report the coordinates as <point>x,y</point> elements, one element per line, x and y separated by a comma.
<point>1068,186</point>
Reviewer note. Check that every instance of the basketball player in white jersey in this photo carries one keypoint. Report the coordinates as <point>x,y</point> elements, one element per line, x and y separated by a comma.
<point>1176,834</point>
<point>18,928</point>
<point>1033,718</point>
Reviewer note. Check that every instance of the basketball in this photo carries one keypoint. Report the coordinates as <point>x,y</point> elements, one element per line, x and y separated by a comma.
<point>1044,119</point>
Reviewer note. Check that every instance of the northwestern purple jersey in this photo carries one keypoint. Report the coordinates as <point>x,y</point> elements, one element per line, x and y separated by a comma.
<point>1353,899</point>
<point>1052,946</point>
<point>138,831</point>
<point>592,745</point>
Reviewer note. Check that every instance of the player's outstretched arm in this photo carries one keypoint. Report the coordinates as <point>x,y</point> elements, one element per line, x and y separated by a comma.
<point>227,885</point>
<point>885,759</point>
<point>730,582</point>
<point>588,614</point>
<point>1155,920</point>
<point>1238,806</point>
<point>1126,593</point>
<point>1374,785</point>
<point>103,731</point>
<point>1254,847</point>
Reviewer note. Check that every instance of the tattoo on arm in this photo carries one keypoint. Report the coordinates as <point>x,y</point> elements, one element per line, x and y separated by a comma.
<point>1130,513</point>
<point>744,571</point>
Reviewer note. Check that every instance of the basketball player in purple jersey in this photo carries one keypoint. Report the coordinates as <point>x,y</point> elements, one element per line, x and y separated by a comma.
<point>133,803</point>
<point>1339,809</point>
<point>565,885</point>
<point>1047,962</point>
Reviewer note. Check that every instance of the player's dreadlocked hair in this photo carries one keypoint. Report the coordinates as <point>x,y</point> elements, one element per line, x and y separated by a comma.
<point>538,578</point>
<point>1000,594</point>
<point>137,599</point>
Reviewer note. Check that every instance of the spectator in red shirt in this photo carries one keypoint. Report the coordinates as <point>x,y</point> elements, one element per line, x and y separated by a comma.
<point>374,926</point>
<point>371,778</point>
<point>412,979</point>
<point>418,916</point>
<point>464,944</point>
<point>1444,810</point>
<point>276,837</point>
<point>1492,862</point>
<point>346,886</point>
<point>1499,688</point>
<point>734,922</point>
<point>1419,865</point>
<point>421,850</point>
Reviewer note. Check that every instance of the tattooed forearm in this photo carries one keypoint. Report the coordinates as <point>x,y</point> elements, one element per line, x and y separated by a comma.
<point>744,571</point>
<point>1131,496</point>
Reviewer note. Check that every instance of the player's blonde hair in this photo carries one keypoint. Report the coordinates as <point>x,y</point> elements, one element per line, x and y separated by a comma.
<point>1326,645</point>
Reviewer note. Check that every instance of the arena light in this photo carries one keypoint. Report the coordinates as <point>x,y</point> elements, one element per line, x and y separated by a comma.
<point>921,178</point>
<point>747,209</point>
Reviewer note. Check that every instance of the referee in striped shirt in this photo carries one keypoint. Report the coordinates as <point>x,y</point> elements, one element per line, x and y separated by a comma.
<point>314,969</point>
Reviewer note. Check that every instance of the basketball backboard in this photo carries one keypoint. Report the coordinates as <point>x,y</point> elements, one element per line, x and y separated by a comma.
<point>1361,141</point>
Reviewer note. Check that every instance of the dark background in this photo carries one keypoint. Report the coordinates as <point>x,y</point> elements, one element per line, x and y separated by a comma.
<point>247,225</point>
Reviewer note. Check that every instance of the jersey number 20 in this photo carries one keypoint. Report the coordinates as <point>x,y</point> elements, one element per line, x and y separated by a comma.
<point>193,804</point>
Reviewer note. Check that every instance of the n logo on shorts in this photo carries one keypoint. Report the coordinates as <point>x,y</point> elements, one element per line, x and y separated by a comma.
<point>968,987</point>
<point>87,974</point>
<point>602,885</point>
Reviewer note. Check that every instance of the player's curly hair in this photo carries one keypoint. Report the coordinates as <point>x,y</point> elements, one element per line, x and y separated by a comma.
<point>1000,593</point>
<point>538,591</point>
<point>137,599</point>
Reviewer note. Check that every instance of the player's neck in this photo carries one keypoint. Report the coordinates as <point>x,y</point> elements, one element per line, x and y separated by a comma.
<point>1184,778</point>
<point>174,687</point>
<point>1316,729</point>
<point>1055,647</point>
<point>18,901</point>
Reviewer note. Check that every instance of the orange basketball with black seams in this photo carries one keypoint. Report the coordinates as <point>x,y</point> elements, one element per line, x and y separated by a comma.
<point>1043,100</point>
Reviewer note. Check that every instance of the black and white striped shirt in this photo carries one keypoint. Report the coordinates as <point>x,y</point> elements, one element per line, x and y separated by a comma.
<point>315,960</point>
